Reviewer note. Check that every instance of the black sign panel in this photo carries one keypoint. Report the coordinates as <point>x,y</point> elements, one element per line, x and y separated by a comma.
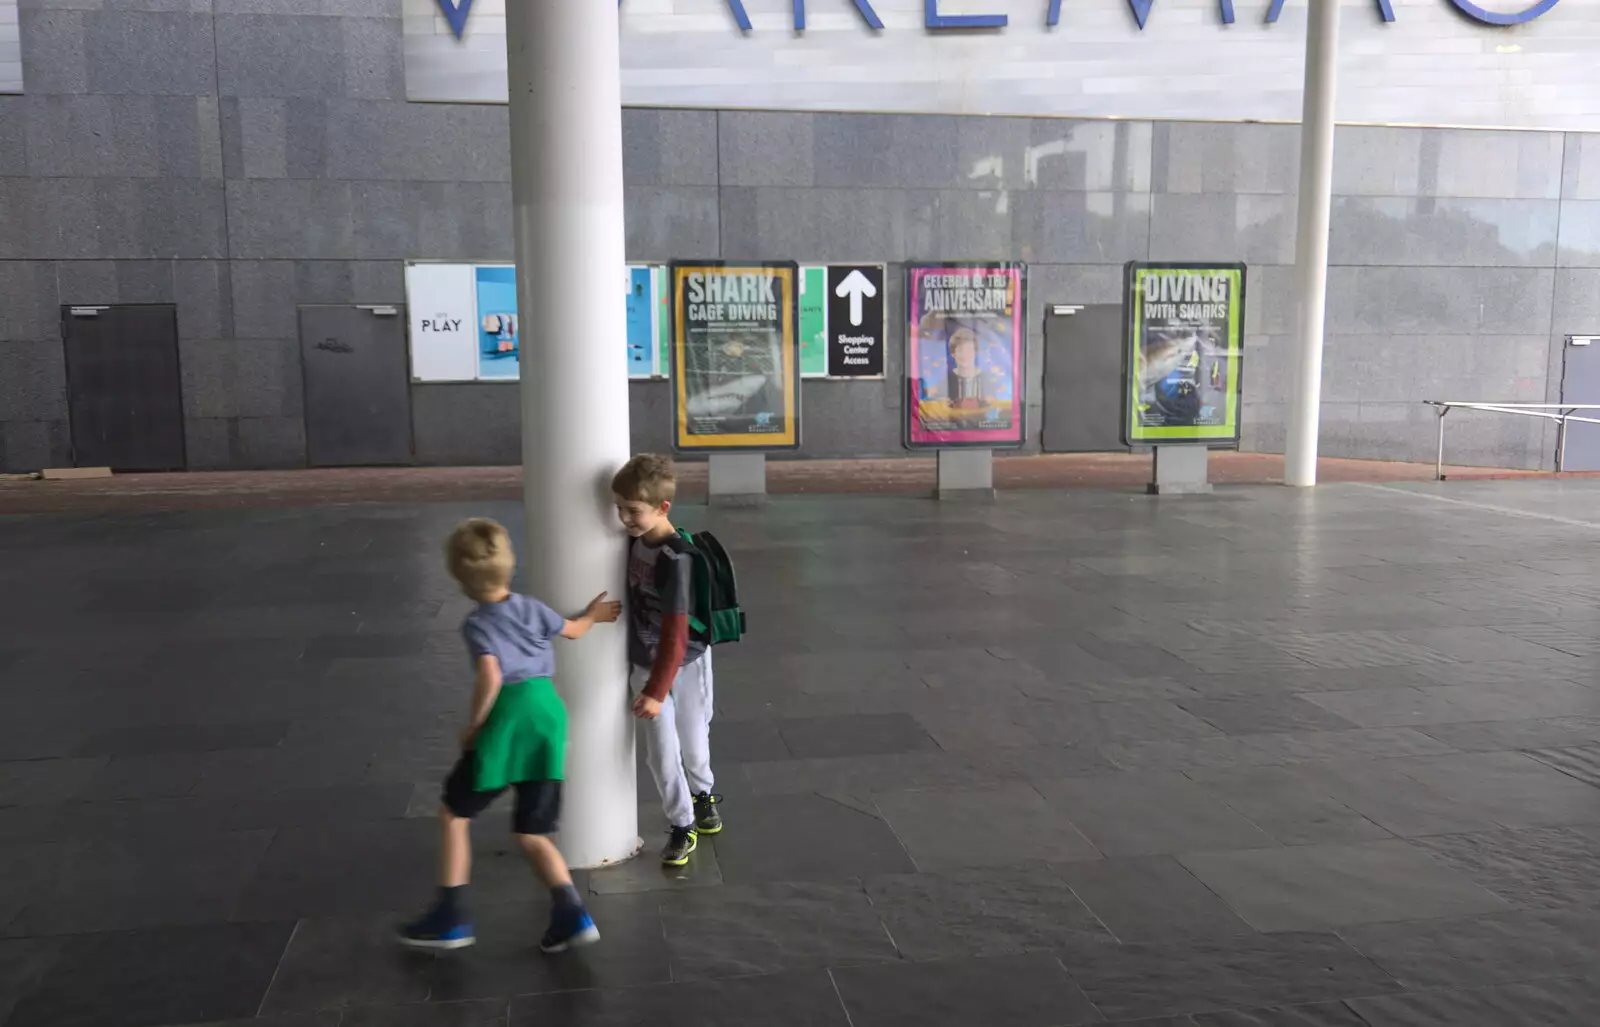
<point>855,320</point>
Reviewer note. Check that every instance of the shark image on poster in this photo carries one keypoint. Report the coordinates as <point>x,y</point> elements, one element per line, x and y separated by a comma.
<point>727,398</point>
<point>737,380</point>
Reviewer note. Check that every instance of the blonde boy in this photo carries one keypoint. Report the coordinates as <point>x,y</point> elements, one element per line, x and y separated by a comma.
<point>516,737</point>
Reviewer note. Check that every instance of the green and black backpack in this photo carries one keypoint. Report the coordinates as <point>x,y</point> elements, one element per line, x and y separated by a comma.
<point>715,617</point>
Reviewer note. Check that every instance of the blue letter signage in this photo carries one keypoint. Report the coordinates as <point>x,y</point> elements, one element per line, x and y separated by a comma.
<point>934,20</point>
<point>1477,13</point>
<point>456,11</point>
<point>1277,8</point>
<point>863,6</point>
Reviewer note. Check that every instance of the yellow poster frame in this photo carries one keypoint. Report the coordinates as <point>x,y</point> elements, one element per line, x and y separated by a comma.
<point>787,274</point>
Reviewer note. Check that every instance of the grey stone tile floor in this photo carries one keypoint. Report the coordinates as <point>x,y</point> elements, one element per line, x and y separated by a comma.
<point>1262,758</point>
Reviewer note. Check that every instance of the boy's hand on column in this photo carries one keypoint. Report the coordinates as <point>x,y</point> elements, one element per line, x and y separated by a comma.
<point>646,708</point>
<point>602,612</point>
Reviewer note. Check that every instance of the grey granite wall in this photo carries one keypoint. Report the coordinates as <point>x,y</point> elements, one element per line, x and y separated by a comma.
<point>260,154</point>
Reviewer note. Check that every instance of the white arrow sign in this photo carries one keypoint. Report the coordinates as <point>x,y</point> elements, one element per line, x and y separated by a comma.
<point>855,286</point>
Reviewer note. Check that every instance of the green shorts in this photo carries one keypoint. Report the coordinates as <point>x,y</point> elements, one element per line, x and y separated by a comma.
<point>524,737</point>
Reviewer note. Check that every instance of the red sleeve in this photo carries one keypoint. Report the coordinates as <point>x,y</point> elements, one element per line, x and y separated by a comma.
<point>669,655</point>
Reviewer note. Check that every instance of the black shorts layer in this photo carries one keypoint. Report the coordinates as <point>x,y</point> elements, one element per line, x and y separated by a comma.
<point>538,807</point>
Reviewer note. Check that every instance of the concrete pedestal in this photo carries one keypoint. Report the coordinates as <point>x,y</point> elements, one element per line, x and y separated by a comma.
<point>738,479</point>
<point>965,474</point>
<point>1179,471</point>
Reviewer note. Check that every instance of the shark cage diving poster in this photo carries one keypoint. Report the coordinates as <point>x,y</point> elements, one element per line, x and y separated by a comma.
<point>735,356</point>
<point>1184,353</point>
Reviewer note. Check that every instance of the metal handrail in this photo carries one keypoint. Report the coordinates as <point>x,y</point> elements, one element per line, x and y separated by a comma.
<point>1563,412</point>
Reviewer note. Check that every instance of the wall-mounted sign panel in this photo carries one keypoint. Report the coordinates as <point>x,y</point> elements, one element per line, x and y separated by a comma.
<point>465,325</point>
<point>649,322</point>
<point>1184,353</point>
<point>1489,63</point>
<point>966,344</point>
<point>441,300</point>
<point>735,355</point>
<point>10,48</point>
<point>855,321</point>
<point>842,328</point>
<point>498,355</point>
<point>813,322</point>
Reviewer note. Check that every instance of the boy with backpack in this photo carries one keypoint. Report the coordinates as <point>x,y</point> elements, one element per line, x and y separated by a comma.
<point>681,600</point>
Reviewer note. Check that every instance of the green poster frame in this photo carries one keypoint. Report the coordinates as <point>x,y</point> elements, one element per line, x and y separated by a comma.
<point>1221,435</point>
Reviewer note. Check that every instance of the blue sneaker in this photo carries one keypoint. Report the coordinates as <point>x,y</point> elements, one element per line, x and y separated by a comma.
<point>571,928</point>
<point>437,930</point>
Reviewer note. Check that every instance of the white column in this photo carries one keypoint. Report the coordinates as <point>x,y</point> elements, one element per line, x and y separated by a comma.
<point>566,190</point>
<point>1311,240</point>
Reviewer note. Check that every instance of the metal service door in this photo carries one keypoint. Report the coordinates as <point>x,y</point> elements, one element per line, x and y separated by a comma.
<point>124,389</point>
<point>1580,383</point>
<point>357,385</point>
<point>1083,379</point>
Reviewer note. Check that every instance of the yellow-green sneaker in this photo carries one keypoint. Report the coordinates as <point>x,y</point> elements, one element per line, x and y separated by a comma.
<point>706,818</point>
<point>684,841</point>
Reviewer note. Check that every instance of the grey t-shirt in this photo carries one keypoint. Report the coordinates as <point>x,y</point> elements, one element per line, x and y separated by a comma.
<point>653,609</point>
<point>517,631</point>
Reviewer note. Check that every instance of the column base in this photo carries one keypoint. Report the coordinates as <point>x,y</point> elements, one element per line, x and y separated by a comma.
<point>605,864</point>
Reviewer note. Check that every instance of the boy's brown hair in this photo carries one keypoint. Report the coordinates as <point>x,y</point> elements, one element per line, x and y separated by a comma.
<point>480,558</point>
<point>647,478</point>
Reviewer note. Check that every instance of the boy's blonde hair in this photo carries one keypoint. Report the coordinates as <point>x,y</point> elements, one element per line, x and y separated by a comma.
<point>647,478</point>
<point>480,558</point>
